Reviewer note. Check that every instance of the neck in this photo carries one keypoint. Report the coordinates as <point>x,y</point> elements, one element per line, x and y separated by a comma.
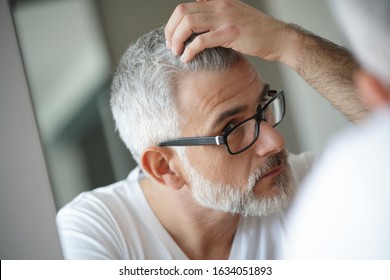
<point>200,233</point>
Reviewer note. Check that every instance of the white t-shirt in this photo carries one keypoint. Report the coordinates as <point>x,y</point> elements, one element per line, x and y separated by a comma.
<point>343,210</point>
<point>117,222</point>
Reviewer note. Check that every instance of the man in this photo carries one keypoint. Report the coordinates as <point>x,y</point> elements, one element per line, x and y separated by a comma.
<point>214,180</point>
<point>344,209</point>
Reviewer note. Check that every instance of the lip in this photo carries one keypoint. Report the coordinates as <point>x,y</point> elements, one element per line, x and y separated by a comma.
<point>274,172</point>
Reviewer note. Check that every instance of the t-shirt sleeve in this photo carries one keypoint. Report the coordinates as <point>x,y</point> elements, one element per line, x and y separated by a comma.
<point>87,231</point>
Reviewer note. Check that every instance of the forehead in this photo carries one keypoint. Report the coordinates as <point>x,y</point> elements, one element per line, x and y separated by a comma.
<point>202,96</point>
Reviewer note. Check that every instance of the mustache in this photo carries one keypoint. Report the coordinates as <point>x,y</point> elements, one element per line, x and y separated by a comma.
<point>271,163</point>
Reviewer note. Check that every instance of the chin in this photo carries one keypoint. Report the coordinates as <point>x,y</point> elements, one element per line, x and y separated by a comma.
<point>275,194</point>
<point>266,192</point>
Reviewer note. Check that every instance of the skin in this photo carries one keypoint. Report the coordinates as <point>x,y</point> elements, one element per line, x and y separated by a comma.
<point>203,233</point>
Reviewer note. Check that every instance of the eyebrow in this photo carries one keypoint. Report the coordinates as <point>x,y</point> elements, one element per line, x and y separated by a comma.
<point>228,113</point>
<point>236,110</point>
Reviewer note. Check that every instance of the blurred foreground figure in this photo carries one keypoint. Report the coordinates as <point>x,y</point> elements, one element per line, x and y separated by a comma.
<point>343,211</point>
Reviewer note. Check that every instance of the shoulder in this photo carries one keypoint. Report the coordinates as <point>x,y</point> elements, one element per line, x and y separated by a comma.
<point>107,198</point>
<point>100,199</point>
<point>94,225</point>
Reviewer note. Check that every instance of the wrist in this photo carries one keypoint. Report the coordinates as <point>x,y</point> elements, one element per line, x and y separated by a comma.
<point>295,41</point>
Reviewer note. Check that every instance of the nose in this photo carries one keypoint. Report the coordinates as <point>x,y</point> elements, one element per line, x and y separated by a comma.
<point>270,141</point>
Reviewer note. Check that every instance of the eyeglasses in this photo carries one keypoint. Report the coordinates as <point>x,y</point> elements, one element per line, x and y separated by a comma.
<point>243,135</point>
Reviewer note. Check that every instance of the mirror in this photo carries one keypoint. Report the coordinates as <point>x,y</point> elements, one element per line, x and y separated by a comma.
<point>69,68</point>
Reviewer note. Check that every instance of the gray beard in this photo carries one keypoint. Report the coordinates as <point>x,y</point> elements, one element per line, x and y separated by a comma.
<point>241,199</point>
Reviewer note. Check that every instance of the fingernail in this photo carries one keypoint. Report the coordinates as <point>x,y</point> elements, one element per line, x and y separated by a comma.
<point>168,44</point>
<point>175,52</point>
<point>184,58</point>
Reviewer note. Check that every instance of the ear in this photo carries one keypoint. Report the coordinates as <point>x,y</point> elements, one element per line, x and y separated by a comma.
<point>372,91</point>
<point>163,166</point>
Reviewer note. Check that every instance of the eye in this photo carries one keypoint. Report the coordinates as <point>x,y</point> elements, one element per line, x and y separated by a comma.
<point>229,126</point>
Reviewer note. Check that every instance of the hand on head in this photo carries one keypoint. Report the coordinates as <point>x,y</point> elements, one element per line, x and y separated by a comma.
<point>225,23</point>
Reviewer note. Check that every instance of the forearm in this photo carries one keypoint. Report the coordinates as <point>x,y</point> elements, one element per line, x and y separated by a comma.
<point>326,67</point>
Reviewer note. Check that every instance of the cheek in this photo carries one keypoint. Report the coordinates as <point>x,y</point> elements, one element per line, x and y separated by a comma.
<point>217,165</point>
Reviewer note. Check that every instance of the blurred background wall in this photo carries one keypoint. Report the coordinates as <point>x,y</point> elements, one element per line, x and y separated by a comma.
<point>70,49</point>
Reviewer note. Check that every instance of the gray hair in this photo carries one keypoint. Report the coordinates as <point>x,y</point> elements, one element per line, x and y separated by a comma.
<point>367,27</point>
<point>143,93</point>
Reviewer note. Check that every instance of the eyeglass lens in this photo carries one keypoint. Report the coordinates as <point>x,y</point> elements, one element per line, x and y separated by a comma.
<point>273,113</point>
<point>245,135</point>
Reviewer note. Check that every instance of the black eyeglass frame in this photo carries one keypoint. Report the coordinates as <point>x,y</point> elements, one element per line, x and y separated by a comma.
<point>222,139</point>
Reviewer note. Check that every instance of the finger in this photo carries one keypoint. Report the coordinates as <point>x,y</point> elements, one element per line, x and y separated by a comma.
<point>205,41</point>
<point>177,16</point>
<point>192,23</point>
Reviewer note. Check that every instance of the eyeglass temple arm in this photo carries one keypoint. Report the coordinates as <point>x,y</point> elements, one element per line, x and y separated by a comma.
<point>195,141</point>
